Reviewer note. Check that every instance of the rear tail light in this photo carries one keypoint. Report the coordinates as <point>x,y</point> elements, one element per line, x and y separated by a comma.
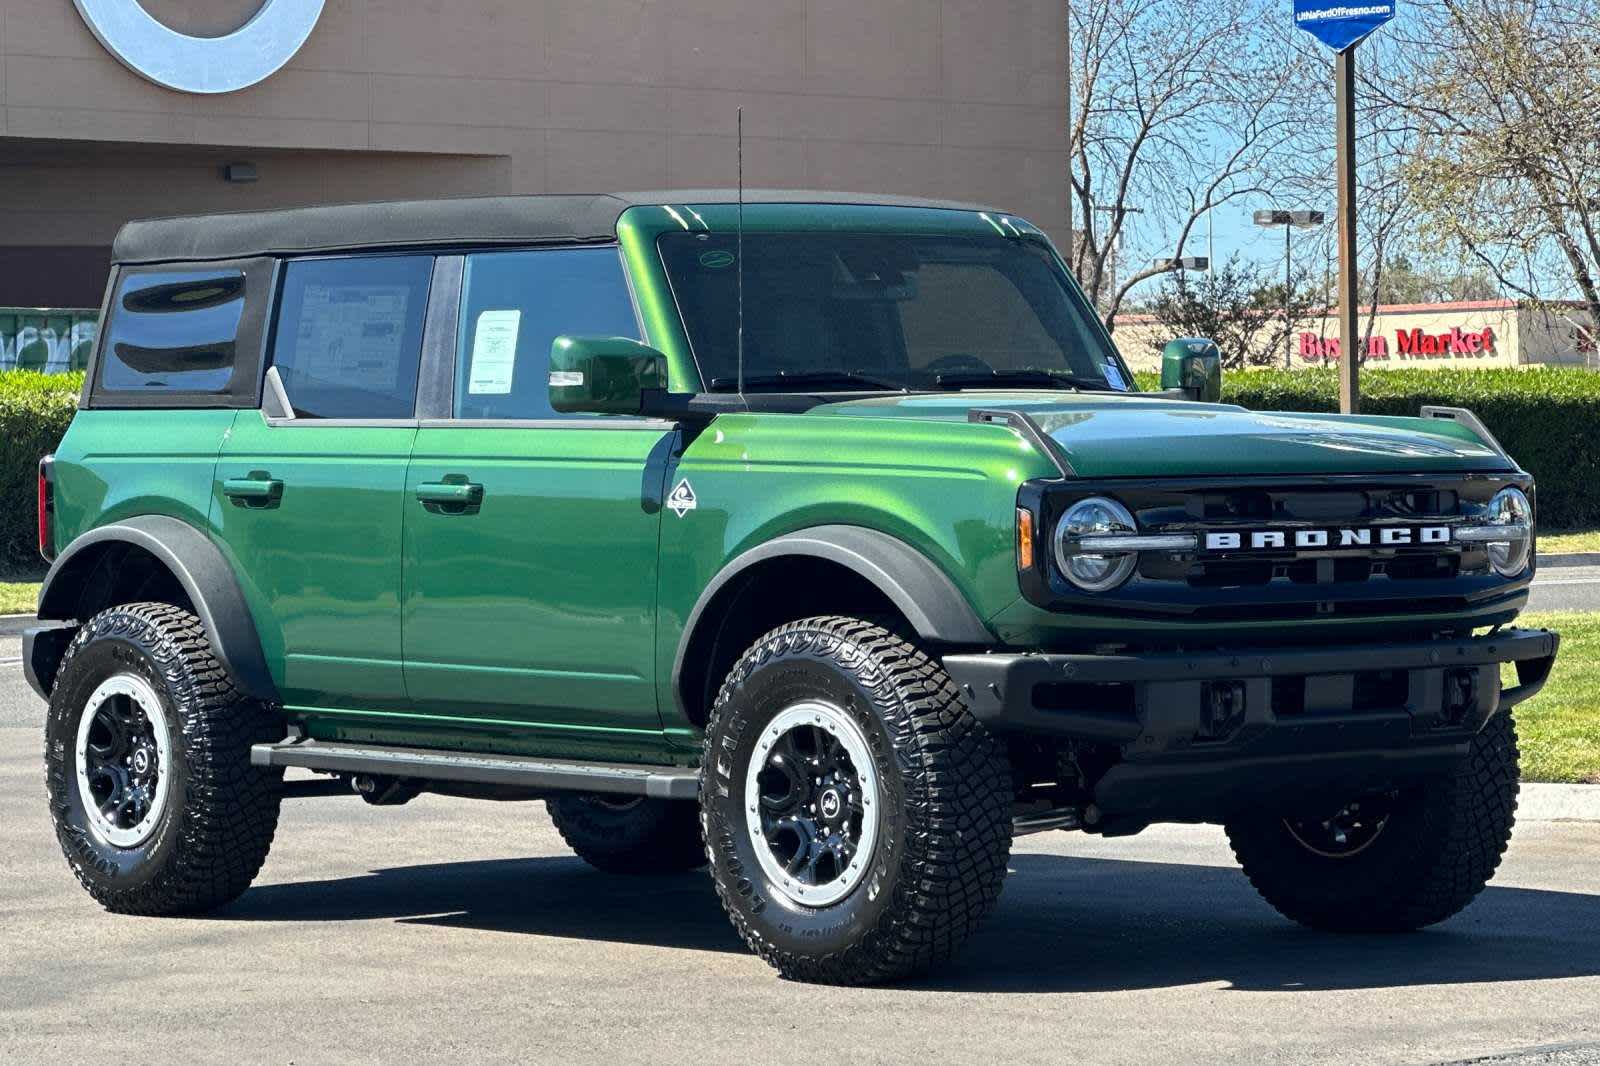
<point>47,507</point>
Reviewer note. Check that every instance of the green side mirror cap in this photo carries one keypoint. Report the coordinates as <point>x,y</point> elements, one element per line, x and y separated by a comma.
<point>1192,366</point>
<point>603,375</point>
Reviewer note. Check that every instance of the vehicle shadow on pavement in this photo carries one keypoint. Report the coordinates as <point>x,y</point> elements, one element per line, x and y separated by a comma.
<point>561,897</point>
<point>1064,924</point>
<point>1069,924</point>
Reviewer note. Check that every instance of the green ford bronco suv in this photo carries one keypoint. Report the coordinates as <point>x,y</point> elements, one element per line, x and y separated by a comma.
<point>822,539</point>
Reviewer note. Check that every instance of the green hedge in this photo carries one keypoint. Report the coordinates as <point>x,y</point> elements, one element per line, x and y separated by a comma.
<point>1548,419</point>
<point>34,412</point>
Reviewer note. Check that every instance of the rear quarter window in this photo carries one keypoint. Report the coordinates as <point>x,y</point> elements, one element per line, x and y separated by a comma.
<point>175,332</point>
<point>183,336</point>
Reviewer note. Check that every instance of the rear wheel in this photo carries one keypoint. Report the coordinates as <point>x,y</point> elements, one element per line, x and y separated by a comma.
<point>857,816</point>
<point>147,764</point>
<point>1395,861</point>
<point>629,834</point>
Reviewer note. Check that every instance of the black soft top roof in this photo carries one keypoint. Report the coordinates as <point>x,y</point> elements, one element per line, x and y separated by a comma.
<point>418,223</point>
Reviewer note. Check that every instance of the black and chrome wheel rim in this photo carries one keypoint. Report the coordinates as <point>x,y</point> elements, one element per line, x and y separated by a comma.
<point>124,761</point>
<point>812,803</point>
<point>1347,832</point>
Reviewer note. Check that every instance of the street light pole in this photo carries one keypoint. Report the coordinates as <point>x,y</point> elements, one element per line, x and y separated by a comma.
<point>1289,220</point>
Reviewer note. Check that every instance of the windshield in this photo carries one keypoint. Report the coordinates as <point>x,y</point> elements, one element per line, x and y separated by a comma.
<point>831,312</point>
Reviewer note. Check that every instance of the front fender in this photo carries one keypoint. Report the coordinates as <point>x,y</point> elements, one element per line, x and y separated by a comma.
<point>927,598</point>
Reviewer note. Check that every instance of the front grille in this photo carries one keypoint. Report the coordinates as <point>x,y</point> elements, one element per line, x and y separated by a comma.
<point>1260,581</point>
<point>1336,570</point>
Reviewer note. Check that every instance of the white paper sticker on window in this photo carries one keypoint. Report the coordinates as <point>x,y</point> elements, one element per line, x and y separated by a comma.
<point>494,353</point>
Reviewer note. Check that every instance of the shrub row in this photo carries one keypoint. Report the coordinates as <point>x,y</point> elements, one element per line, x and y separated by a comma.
<point>1548,419</point>
<point>34,412</point>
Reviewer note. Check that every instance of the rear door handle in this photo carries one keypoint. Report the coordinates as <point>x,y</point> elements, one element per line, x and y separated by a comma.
<point>254,490</point>
<point>450,497</point>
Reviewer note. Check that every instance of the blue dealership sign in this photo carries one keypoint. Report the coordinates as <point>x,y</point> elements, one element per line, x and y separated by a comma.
<point>1341,23</point>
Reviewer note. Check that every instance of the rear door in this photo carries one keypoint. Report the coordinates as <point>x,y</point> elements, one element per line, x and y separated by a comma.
<point>531,537</point>
<point>310,506</point>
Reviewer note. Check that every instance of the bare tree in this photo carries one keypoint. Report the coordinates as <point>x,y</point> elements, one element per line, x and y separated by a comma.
<point>1502,98</point>
<point>1181,107</point>
<point>1242,307</point>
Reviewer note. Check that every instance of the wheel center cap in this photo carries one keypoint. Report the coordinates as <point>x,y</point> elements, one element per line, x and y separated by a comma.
<point>141,761</point>
<point>830,803</point>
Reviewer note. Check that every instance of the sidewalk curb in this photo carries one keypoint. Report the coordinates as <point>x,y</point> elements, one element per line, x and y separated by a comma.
<point>12,625</point>
<point>1570,559</point>
<point>1558,803</point>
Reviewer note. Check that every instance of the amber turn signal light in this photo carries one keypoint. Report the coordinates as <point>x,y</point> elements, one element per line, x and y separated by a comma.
<point>1024,539</point>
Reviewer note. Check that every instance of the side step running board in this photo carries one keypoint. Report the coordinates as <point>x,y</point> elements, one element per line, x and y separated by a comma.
<point>628,779</point>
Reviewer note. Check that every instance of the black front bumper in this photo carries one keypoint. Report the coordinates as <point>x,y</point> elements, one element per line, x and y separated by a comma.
<point>1203,736</point>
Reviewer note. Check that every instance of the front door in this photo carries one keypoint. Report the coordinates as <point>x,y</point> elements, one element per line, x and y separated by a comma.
<point>531,537</point>
<point>310,507</point>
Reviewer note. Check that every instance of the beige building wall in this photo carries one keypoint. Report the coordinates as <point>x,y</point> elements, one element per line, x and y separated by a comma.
<point>1471,334</point>
<point>949,98</point>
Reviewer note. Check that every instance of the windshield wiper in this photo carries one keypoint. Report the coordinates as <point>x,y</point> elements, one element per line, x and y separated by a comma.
<point>1016,379</point>
<point>799,380</point>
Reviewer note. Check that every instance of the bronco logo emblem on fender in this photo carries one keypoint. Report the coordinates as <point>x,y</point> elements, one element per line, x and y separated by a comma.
<point>191,64</point>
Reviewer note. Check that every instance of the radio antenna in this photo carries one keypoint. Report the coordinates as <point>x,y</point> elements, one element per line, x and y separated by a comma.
<point>739,253</point>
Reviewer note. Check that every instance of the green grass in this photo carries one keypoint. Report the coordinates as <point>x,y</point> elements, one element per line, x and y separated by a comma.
<point>1559,729</point>
<point>18,597</point>
<point>1557,543</point>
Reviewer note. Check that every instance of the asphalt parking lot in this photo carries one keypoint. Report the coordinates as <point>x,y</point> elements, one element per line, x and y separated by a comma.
<point>452,930</point>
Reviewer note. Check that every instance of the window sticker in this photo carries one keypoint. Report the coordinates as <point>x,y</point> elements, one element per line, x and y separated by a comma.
<point>494,353</point>
<point>352,334</point>
<point>1114,377</point>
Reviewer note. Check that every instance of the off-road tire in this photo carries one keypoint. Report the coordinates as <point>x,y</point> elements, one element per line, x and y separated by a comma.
<point>622,836</point>
<point>944,833</point>
<point>1439,848</point>
<point>220,815</point>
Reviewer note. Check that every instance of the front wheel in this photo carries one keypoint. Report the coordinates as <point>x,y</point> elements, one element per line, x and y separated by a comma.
<point>1395,861</point>
<point>857,817</point>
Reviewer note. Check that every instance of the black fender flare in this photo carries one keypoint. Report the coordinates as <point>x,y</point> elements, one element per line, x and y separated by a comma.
<point>199,566</point>
<point>932,604</point>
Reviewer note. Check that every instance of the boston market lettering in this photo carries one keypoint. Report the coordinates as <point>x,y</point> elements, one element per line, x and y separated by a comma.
<point>1411,344</point>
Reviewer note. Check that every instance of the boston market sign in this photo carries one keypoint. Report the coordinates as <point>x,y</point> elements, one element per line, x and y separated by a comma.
<point>1408,344</point>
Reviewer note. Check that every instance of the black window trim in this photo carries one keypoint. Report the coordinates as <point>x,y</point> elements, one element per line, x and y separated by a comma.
<point>250,342</point>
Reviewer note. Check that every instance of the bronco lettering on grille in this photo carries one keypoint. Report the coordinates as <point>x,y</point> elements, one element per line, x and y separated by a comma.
<point>1311,539</point>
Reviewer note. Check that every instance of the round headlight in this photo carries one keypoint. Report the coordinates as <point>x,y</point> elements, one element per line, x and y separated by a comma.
<point>1510,508</point>
<point>1094,571</point>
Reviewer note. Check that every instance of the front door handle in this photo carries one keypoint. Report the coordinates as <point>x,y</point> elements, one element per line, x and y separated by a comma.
<point>254,490</point>
<point>450,497</point>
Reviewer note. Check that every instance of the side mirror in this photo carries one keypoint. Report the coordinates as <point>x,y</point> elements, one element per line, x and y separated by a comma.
<point>603,375</point>
<point>1193,367</point>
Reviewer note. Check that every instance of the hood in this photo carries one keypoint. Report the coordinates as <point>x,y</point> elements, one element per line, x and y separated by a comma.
<point>1108,435</point>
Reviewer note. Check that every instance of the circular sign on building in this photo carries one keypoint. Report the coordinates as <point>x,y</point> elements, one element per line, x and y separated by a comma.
<point>192,64</point>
